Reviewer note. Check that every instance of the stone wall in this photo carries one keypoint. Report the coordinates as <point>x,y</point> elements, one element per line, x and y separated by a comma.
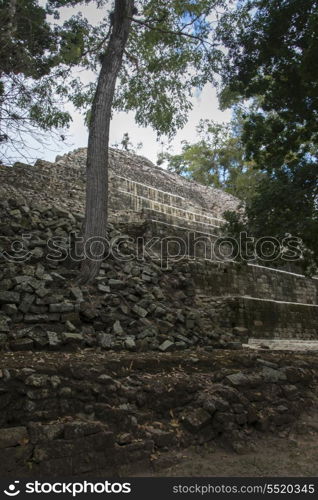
<point>221,279</point>
<point>138,197</point>
<point>134,183</point>
<point>272,319</point>
<point>100,415</point>
<point>104,403</point>
<point>139,177</point>
<point>47,199</point>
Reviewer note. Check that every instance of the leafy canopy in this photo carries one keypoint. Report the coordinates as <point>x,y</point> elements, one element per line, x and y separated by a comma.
<point>271,62</point>
<point>171,51</point>
<point>36,60</point>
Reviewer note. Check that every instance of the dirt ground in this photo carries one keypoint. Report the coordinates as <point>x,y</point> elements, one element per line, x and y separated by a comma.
<point>275,457</point>
<point>293,454</point>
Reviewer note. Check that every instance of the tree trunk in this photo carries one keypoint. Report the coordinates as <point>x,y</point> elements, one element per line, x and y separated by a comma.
<point>10,27</point>
<point>98,142</point>
<point>12,24</point>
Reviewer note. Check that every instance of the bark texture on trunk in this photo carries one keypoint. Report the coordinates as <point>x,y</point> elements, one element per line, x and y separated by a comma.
<point>12,25</point>
<point>98,142</point>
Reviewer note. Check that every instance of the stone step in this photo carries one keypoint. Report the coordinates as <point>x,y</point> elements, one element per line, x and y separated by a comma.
<point>283,344</point>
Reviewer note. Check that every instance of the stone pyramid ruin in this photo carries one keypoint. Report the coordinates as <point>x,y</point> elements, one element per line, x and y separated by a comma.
<point>150,358</point>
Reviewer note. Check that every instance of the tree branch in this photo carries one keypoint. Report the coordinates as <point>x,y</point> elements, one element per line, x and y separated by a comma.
<point>99,45</point>
<point>132,59</point>
<point>170,32</point>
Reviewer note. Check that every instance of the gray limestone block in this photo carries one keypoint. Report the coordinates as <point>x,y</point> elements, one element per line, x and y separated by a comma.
<point>9,297</point>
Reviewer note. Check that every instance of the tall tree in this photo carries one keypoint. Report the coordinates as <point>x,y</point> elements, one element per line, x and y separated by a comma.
<point>159,50</point>
<point>159,56</point>
<point>97,152</point>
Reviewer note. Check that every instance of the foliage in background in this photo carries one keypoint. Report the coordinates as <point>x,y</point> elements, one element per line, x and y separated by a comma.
<point>271,63</point>
<point>217,159</point>
<point>36,60</point>
<point>170,52</point>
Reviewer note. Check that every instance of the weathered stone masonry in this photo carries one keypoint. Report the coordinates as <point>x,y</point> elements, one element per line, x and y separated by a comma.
<point>147,201</point>
<point>104,378</point>
<point>91,416</point>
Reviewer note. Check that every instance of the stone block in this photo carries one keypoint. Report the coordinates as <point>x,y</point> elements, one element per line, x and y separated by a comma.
<point>21,344</point>
<point>37,380</point>
<point>45,432</point>
<point>77,294</point>
<point>195,419</point>
<point>72,338</point>
<point>14,436</point>
<point>105,340</point>
<point>78,429</point>
<point>4,323</point>
<point>10,309</point>
<point>61,308</point>
<point>140,311</point>
<point>130,343</point>
<point>117,328</point>
<point>116,284</point>
<point>166,346</point>
<point>54,340</point>
<point>9,297</point>
<point>238,379</point>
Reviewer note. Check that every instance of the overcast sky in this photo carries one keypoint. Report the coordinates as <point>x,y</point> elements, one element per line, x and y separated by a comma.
<point>205,105</point>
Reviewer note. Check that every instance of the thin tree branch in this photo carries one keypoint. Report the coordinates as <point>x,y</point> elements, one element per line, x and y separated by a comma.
<point>191,22</point>
<point>132,59</point>
<point>100,44</point>
<point>170,32</point>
